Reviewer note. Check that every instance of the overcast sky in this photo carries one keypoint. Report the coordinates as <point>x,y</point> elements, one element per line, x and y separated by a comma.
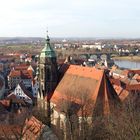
<point>70,18</point>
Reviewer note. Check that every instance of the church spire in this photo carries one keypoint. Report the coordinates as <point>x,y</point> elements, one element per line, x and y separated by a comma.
<point>47,51</point>
<point>47,38</point>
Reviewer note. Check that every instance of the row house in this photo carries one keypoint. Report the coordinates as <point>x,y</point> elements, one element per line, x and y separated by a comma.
<point>16,76</point>
<point>22,72</point>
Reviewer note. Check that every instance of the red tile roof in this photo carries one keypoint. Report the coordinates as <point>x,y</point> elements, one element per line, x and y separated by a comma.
<point>135,71</point>
<point>81,81</point>
<point>10,132</point>
<point>5,103</point>
<point>122,93</point>
<point>125,86</point>
<point>24,74</point>
<point>14,73</point>
<point>35,129</point>
<point>21,67</point>
<point>133,87</point>
<point>32,129</point>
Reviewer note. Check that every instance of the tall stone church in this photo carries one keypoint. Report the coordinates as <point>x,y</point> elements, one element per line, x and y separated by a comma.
<point>47,75</point>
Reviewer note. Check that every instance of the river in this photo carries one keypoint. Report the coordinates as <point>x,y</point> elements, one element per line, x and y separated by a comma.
<point>127,64</point>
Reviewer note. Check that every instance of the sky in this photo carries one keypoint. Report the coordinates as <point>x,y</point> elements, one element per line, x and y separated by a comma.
<point>70,18</point>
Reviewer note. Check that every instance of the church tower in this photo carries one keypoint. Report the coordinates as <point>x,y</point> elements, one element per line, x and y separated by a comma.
<point>48,78</point>
<point>47,71</point>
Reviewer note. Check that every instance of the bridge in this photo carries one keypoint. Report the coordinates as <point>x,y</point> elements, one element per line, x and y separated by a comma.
<point>95,55</point>
<point>108,55</point>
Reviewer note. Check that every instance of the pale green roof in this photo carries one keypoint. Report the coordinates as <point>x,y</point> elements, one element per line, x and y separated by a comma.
<point>47,50</point>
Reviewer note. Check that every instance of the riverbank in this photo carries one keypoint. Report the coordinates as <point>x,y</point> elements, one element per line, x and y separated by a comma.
<point>128,58</point>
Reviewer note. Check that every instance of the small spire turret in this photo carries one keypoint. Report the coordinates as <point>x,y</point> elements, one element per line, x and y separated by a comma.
<point>47,38</point>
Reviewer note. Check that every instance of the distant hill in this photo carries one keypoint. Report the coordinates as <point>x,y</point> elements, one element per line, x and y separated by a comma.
<point>20,38</point>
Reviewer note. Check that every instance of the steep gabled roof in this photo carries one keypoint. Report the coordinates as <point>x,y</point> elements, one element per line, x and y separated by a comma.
<point>81,82</point>
<point>27,92</point>
<point>14,99</point>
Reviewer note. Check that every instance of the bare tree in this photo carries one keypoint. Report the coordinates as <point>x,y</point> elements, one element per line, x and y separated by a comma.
<point>77,107</point>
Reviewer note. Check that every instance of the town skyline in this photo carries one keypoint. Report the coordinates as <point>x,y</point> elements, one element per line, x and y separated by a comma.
<point>96,19</point>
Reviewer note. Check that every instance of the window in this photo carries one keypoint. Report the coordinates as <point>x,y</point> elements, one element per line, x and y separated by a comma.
<point>42,73</point>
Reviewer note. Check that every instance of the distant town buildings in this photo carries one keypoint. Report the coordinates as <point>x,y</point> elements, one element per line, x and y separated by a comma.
<point>20,73</point>
<point>69,90</point>
<point>93,46</point>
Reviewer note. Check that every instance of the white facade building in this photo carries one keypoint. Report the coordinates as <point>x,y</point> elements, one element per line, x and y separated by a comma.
<point>93,46</point>
<point>22,93</point>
